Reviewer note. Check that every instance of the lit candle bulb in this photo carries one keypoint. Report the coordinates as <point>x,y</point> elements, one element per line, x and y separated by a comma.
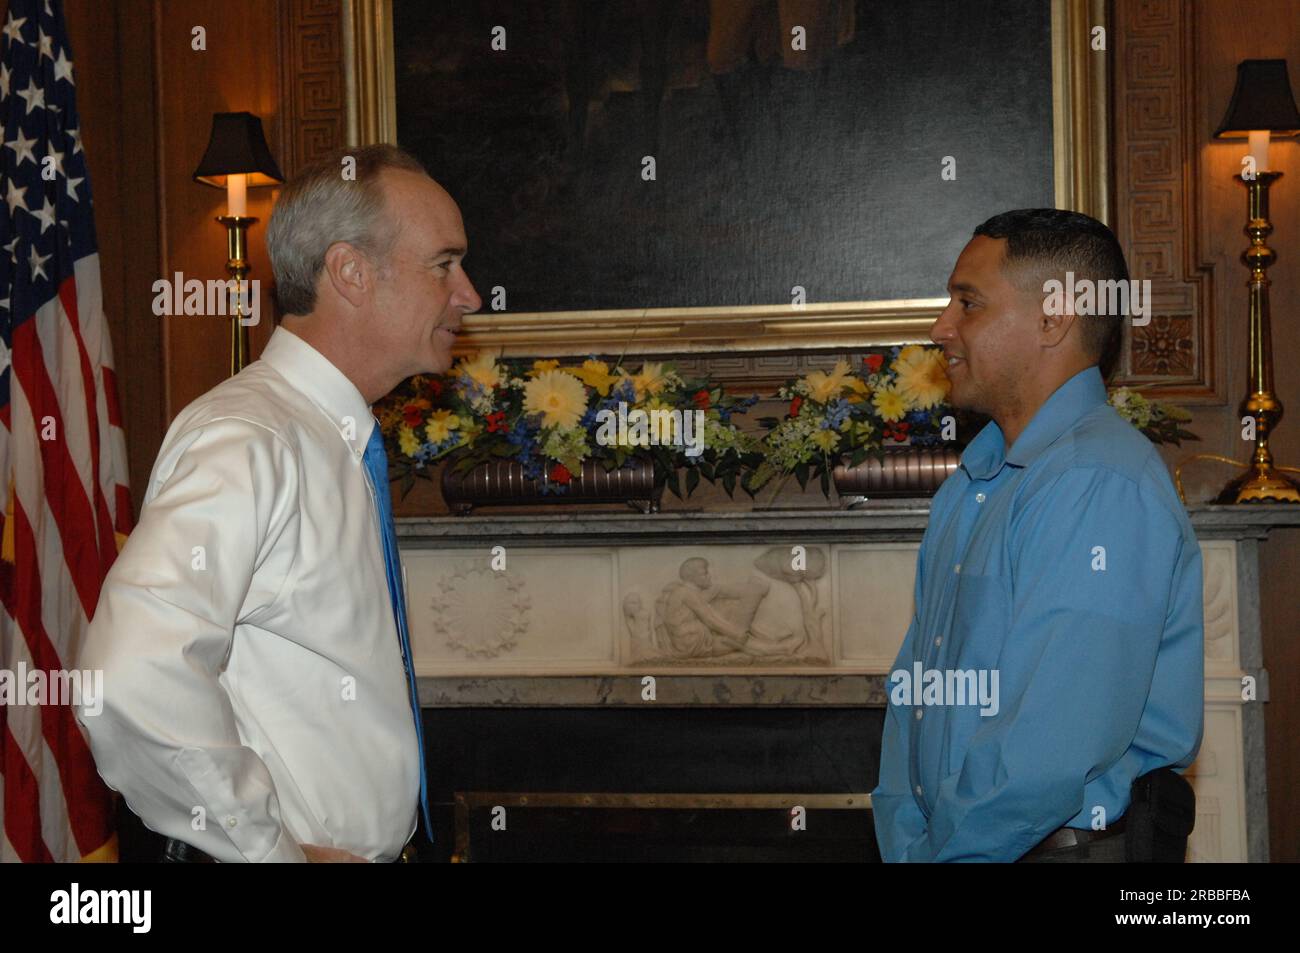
<point>237,194</point>
<point>1259,149</point>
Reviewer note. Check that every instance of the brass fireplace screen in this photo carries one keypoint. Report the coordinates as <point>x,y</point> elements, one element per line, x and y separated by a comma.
<point>559,826</point>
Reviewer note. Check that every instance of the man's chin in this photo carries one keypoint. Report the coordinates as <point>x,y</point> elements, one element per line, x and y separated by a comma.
<point>439,362</point>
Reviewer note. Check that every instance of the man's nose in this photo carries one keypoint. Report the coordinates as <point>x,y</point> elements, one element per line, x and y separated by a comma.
<point>467,297</point>
<point>942,329</point>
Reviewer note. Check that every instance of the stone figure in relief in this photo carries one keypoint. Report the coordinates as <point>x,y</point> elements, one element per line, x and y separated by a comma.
<point>696,619</point>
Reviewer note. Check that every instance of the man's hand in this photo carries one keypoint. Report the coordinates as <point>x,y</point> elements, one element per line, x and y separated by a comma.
<point>330,855</point>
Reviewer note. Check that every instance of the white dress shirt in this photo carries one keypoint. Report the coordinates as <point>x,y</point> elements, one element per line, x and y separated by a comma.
<point>254,695</point>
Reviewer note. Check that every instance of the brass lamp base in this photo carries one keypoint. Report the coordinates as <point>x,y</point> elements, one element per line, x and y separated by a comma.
<point>1261,485</point>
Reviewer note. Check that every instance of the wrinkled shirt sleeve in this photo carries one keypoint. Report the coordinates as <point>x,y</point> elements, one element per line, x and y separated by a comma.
<point>166,737</point>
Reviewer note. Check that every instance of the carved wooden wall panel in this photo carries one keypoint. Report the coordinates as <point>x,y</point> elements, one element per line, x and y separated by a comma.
<point>1156,147</point>
<point>313,87</point>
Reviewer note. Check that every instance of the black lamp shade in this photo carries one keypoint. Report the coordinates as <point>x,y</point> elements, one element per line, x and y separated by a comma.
<point>1262,100</point>
<point>237,146</point>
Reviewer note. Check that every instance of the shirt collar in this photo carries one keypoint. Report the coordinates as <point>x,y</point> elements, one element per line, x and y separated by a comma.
<point>310,372</point>
<point>985,455</point>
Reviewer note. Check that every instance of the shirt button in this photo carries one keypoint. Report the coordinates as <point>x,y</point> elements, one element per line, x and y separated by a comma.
<point>957,568</point>
<point>938,640</point>
<point>918,790</point>
<point>231,822</point>
<point>979,497</point>
<point>918,714</point>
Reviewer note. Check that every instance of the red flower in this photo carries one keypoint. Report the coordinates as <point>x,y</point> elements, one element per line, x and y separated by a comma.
<point>496,421</point>
<point>873,362</point>
<point>413,415</point>
<point>795,405</point>
<point>560,474</point>
<point>434,387</point>
<point>702,399</point>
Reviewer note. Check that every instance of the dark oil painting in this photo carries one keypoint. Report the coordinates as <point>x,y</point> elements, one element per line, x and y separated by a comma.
<point>794,142</point>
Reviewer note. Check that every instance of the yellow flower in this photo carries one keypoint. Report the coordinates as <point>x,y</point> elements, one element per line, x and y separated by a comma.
<point>912,354</point>
<point>541,367</point>
<point>649,380</point>
<point>482,369</point>
<point>826,439</point>
<point>823,387</point>
<point>594,374</point>
<point>558,397</point>
<point>441,424</point>
<point>922,381</point>
<point>889,403</point>
<point>861,391</point>
<point>407,440</point>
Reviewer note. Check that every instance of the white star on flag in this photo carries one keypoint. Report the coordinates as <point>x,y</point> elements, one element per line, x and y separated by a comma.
<point>46,215</point>
<point>22,147</point>
<point>37,263</point>
<point>63,69</point>
<point>14,29</point>
<point>14,196</point>
<point>34,95</point>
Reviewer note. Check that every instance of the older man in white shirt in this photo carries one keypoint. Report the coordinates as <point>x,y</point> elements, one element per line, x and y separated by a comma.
<point>257,702</point>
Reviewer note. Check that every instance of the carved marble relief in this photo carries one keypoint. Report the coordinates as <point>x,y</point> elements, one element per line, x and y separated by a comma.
<point>733,617</point>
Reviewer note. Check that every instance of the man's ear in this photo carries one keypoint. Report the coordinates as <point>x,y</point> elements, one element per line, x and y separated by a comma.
<point>349,273</point>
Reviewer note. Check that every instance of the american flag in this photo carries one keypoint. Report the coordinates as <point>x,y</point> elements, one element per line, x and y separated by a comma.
<point>62,451</point>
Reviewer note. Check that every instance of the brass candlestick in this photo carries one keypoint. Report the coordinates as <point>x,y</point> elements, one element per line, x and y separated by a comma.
<point>1263,481</point>
<point>237,267</point>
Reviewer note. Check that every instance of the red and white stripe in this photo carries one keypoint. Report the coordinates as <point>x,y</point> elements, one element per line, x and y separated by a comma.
<point>69,498</point>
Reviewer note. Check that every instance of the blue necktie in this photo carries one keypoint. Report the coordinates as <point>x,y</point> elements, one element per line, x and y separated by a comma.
<point>377,467</point>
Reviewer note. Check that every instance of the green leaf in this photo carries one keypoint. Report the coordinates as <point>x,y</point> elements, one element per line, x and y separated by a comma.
<point>729,484</point>
<point>675,485</point>
<point>826,482</point>
<point>692,480</point>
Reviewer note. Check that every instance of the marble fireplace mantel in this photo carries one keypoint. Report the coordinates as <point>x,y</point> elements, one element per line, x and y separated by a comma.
<point>518,609</point>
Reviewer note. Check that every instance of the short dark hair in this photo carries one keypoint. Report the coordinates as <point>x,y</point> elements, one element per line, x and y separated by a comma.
<point>1052,241</point>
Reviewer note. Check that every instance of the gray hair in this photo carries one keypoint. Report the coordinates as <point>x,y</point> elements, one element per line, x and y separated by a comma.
<point>319,207</point>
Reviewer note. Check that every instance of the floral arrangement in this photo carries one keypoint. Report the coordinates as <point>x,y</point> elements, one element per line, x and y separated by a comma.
<point>553,418</point>
<point>851,412</point>
<point>847,414</point>
<point>1158,420</point>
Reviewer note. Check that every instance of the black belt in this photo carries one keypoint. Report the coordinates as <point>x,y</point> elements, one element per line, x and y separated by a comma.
<point>178,852</point>
<point>1066,837</point>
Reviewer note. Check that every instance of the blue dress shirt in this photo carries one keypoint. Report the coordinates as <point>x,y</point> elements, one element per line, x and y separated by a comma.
<point>1069,568</point>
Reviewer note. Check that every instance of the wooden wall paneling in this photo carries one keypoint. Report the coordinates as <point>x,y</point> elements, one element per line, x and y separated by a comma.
<point>314,106</point>
<point>1156,215</point>
<point>239,70</point>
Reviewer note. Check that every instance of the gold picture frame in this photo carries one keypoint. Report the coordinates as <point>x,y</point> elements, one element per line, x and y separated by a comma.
<point>1080,120</point>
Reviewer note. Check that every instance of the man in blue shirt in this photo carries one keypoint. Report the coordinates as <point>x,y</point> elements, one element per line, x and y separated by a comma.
<point>1058,570</point>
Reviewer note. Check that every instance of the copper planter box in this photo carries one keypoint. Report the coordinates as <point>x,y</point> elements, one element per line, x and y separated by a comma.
<point>904,471</point>
<point>502,483</point>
